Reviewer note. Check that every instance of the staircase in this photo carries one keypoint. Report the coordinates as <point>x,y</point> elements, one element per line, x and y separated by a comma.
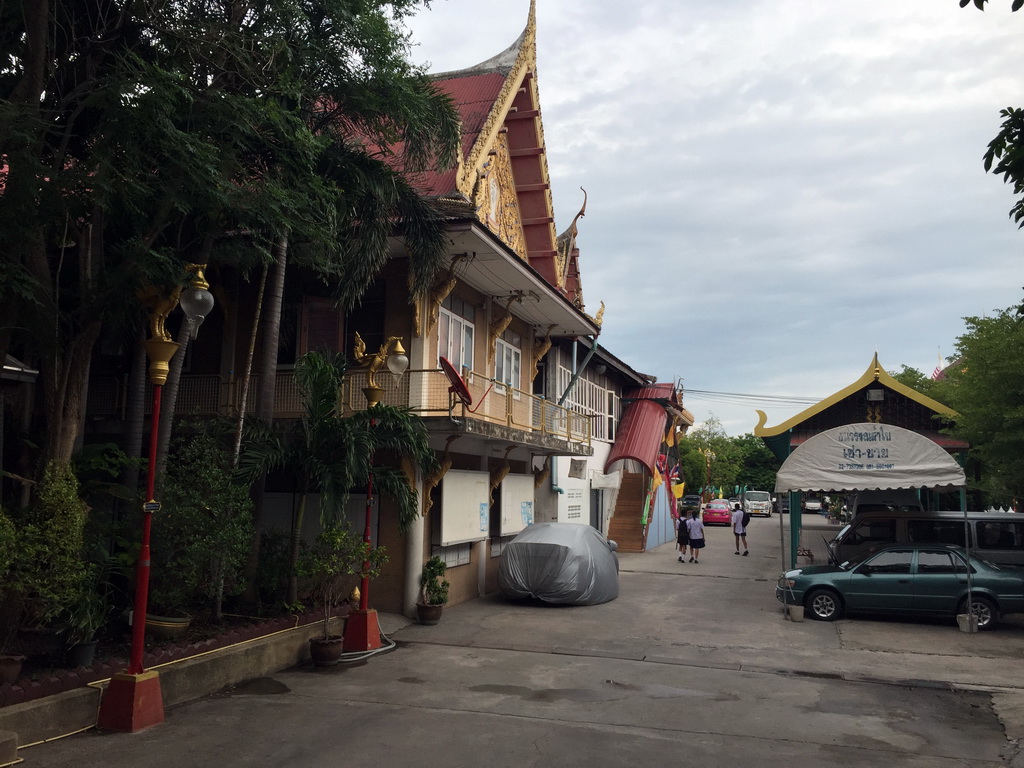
<point>625,527</point>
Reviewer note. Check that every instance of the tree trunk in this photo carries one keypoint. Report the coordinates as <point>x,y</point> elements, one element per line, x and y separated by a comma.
<point>247,373</point>
<point>135,415</point>
<point>265,395</point>
<point>293,555</point>
<point>65,386</point>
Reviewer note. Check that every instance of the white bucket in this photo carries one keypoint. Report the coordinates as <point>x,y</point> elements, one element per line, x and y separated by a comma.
<point>967,622</point>
<point>795,612</point>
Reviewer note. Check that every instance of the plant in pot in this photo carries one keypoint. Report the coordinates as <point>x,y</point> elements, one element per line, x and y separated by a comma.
<point>327,569</point>
<point>433,591</point>
<point>41,566</point>
<point>82,621</point>
<point>200,536</point>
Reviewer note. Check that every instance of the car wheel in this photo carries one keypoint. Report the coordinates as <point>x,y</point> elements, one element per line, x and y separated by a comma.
<point>824,605</point>
<point>984,609</point>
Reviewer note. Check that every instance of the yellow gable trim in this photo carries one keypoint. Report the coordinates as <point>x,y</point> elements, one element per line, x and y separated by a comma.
<point>875,372</point>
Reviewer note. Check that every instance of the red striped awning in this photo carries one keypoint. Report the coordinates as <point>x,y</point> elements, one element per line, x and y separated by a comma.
<point>641,431</point>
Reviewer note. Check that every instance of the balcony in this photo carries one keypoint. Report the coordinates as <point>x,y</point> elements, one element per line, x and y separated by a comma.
<point>425,392</point>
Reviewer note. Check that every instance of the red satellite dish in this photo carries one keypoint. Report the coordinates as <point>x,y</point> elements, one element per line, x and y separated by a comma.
<point>458,384</point>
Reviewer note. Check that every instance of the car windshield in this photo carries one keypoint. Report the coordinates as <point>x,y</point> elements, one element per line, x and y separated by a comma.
<point>757,496</point>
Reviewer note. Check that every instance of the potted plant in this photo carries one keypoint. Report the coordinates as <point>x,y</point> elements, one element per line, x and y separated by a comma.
<point>433,591</point>
<point>327,568</point>
<point>82,622</point>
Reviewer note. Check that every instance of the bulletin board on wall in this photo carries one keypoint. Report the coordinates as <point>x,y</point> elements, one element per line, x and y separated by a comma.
<point>516,503</point>
<point>465,507</point>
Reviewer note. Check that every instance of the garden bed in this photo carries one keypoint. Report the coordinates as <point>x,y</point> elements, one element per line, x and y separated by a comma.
<point>44,674</point>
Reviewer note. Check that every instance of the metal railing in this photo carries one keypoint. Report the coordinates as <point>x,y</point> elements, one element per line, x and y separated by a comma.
<point>425,392</point>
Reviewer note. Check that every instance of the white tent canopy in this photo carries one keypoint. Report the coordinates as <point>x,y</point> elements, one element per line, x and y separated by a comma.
<point>857,457</point>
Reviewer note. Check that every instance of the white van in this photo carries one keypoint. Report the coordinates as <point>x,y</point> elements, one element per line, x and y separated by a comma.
<point>757,503</point>
<point>995,536</point>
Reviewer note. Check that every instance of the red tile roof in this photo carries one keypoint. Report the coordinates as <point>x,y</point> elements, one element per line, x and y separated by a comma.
<point>474,97</point>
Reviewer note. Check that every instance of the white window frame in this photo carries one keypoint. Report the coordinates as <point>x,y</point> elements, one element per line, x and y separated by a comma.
<point>449,326</point>
<point>508,366</point>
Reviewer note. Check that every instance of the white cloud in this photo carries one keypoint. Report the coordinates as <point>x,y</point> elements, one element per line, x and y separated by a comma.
<point>778,188</point>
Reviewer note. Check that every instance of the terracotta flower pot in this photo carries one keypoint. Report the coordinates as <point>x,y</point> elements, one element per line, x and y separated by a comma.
<point>10,668</point>
<point>326,652</point>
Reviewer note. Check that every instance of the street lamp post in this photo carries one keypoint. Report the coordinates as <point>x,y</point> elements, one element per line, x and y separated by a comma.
<point>133,699</point>
<point>362,631</point>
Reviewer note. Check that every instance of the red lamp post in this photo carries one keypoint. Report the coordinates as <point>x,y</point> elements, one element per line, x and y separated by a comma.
<point>362,630</point>
<point>133,699</point>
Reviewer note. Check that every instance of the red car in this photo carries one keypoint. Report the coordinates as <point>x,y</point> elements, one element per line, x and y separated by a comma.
<point>717,512</point>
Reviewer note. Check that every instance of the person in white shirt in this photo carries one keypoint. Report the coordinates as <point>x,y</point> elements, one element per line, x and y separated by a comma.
<point>695,527</point>
<point>738,529</point>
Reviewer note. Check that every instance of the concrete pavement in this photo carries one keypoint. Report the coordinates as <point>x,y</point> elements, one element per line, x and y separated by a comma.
<point>691,665</point>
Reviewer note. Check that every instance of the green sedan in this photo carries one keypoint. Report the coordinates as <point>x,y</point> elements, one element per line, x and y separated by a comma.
<point>910,579</point>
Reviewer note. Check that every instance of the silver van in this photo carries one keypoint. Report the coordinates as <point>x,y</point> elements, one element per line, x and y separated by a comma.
<point>995,536</point>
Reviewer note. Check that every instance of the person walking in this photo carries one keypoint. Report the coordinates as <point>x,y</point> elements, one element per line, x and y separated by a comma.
<point>682,535</point>
<point>695,529</point>
<point>739,529</point>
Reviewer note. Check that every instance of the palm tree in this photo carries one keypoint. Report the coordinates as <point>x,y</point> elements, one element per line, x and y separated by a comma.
<point>332,454</point>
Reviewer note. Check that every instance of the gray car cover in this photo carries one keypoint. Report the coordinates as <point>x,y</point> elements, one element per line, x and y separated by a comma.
<point>560,563</point>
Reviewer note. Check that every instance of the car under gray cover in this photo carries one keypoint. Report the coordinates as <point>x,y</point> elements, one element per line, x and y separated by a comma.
<point>566,563</point>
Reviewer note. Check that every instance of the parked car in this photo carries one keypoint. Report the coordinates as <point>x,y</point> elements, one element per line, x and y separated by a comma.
<point>690,500</point>
<point>717,512</point>
<point>567,563</point>
<point>918,579</point>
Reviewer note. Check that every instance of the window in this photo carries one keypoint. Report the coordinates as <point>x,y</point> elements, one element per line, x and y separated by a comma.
<point>935,532</point>
<point>889,562</point>
<point>590,398</point>
<point>456,554</point>
<point>935,562</point>
<point>313,325</point>
<point>455,331</point>
<point>873,530</point>
<point>508,359</point>
<point>993,535</point>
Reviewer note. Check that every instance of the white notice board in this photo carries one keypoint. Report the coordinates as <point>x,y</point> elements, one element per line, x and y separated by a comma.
<point>516,503</point>
<point>465,509</point>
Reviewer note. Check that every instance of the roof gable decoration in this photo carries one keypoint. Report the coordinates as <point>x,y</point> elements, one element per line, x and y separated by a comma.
<point>506,165</point>
<point>495,199</point>
<point>874,373</point>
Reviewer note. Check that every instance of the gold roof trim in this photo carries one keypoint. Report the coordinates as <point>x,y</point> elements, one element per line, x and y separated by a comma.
<point>875,372</point>
<point>525,61</point>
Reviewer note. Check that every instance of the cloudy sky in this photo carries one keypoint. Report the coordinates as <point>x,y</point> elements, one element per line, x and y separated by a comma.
<point>778,189</point>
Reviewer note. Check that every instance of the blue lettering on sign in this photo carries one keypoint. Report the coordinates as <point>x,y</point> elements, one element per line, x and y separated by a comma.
<point>857,436</point>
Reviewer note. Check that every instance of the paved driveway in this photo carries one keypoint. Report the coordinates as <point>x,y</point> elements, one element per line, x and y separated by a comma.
<point>691,665</point>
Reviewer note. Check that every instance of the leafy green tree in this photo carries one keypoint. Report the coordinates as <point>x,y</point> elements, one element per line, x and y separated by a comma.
<point>919,382</point>
<point>758,464</point>
<point>980,4</point>
<point>332,454</point>
<point>140,136</point>
<point>709,447</point>
<point>201,536</point>
<point>986,388</point>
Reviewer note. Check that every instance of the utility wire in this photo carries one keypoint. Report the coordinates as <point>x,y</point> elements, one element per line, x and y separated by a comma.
<point>739,398</point>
